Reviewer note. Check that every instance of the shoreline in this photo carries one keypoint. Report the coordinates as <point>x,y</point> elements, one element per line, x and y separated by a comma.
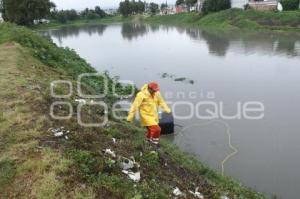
<point>227,20</point>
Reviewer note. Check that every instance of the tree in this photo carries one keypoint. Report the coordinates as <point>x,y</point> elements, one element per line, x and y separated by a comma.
<point>141,6</point>
<point>61,17</point>
<point>24,12</point>
<point>84,13</point>
<point>290,4</point>
<point>134,7</point>
<point>124,8</point>
<point>99,12</point>
<point>153,8</point>
<point>190,3</point>
<point>215,5</point>
<point>179,2</point>
<point>71,15</point>
<point>163,6</point>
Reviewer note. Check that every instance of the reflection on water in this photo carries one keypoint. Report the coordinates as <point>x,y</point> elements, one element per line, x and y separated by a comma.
<point>218,42</point>
<point>236,67</point>
<point>74,31</point>
<point>132,31</point>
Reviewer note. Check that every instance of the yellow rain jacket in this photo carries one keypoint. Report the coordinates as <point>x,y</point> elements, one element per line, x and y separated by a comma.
<point>148,107</point>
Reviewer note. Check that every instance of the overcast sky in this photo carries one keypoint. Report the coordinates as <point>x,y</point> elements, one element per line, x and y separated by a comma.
<point>81,4</point>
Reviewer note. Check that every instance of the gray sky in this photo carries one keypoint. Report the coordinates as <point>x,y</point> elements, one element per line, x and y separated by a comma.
<point>81,4</point>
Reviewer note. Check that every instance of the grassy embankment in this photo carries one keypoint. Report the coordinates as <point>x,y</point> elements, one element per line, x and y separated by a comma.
<point>231,19</point>
<point>36,164</point>
<point>235,19</point>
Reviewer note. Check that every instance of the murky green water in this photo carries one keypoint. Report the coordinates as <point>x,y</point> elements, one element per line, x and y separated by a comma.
<point>227,70</point>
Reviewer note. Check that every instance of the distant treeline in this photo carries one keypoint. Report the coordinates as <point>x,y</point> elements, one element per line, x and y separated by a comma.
<point>63,16</point>
<point>127,7</point>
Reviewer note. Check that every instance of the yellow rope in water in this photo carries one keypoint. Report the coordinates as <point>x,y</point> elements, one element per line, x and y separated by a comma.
<point>228,134</point>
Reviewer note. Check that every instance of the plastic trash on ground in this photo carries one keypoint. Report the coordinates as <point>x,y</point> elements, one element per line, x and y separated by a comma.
<point>110,152</point>
<point>197,194</point>
<point>224,197</point>
<point>136,177</point>
<point>59,132</point>
<point>126,163</point>
<point>80,101</point>
<point>177,192</point>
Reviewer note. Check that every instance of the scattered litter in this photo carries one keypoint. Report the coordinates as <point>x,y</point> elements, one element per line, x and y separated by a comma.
<point>197,194</point>
<point>136,177</point>
<point>66,137</point>
<point>80,101</point>
<point>114,140</point>
<point>138,196</point>
<point>59,132</point>
<point>110,152</point>
<point>126,163</point>
<point>141,154</point>
<point>178,79</point>
<point>177,192</point>
<point>224,197</point>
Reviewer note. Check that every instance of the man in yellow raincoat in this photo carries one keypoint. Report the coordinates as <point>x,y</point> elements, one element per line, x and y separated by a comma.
<point>147,102</point>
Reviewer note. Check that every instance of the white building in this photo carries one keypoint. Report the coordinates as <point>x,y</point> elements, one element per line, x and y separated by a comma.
<point>238,3</point>
<point>263,5</point>
<point>111,11</point>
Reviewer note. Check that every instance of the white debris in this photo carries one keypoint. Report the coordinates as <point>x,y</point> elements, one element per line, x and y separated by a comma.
<point>141,154</point>
<point>58,134</point>
<point>136,177</point>
<point>110,152</point>
<point>197,194</point>
<point>80,101</point>
<point>127,164</point>
<point>177,192</point>
<point>224,197</point>
<point>114,140</point>
<point>66,137</point>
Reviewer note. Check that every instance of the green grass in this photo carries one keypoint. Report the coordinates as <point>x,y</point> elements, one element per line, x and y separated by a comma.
<point>7,173</point>
<point>43,166</point>
<point>235,19</point>
<point>230,19</point>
